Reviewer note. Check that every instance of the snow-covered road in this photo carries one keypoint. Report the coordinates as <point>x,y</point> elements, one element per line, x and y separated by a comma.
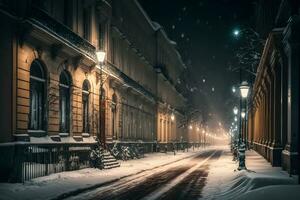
<point>184,179</point>
<point>204,173</point>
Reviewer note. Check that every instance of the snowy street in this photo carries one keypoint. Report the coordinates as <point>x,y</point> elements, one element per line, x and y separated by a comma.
<point>207,173</point>
<point>183,179</point>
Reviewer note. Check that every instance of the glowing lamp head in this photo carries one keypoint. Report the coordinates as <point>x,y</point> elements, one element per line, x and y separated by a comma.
<point>190,127</point>
<point>100,56</point>
<point>243,114</point>
<point>235,119</point>
<point>198,129</point>
<point>244,89</point>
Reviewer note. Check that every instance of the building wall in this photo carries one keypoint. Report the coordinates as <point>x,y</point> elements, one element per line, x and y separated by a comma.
<point>273,117</point>
<point>67,40</point>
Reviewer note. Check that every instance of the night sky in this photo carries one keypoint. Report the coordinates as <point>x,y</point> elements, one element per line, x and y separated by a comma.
<point>203,31</point>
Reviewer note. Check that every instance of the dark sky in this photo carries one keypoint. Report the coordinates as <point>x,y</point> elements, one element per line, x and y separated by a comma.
<point>203,32</point>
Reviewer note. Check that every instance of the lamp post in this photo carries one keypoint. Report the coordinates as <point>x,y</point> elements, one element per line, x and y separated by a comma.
<point>244,90</point>
<point>101,58</point>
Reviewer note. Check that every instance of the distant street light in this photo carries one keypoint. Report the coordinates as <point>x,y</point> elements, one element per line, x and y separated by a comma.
<point>236,32</point>
<point>244,89</point>
<point>235,110</point>
<point>233,89</point>
<point>172,117</point>
<point>190,127</point>
<point>243,114</point>
<point>235,119</point>
<point>198,129</point>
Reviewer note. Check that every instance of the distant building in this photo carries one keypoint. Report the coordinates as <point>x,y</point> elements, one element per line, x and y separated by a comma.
<point>56,97</point>
<point>273,120</point>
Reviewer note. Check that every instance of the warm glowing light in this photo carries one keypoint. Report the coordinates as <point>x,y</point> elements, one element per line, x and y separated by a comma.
<point>198,129</point>
<point>203,131</point>
<point>172,117</point>
<point>190,127</point>
<point>243,114</point>
<point>100,56</point>
<point>244,89</point>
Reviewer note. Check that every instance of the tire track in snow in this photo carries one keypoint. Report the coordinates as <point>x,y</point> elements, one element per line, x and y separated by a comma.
<point>191,186</point>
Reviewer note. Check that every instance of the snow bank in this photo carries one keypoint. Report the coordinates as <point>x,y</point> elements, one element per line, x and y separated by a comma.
<point>277,192</point>
<point>225,182</point>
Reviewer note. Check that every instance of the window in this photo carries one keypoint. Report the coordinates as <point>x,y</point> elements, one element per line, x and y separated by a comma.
<point>86,23</point>
<point>64,102</point>
<point>85,105</point>
<point>37,96</point>
<point>101,38</point>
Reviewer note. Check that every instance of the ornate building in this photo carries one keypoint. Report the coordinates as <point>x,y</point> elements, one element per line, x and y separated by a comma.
<point>58,97</point>
<point>273,121</point>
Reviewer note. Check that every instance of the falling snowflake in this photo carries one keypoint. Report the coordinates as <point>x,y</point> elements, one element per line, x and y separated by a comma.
<point>184,9</point>
<point>212,89</point>
<point>179,18</point>
<point>203,80</point>
<point>173,26</point>
<point>187,39</point>
<point>182,35</point>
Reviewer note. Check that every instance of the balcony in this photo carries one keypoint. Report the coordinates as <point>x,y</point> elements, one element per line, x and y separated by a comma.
<point>44,22</point>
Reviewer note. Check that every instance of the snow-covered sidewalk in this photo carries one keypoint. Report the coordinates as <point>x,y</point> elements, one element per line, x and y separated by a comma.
<point>225,182</point>
<point>56,185</point>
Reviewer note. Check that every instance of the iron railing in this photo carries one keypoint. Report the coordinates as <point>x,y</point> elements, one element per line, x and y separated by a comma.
<point>36,160</point>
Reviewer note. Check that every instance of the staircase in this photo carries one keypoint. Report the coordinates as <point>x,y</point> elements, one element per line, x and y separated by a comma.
<point>109,161</point>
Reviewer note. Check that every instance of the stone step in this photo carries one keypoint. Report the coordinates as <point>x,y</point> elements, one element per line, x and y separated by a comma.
<point>111,166</point>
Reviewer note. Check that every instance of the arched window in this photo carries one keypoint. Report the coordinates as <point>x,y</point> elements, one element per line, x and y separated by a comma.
<point>37,96</point>
<point>85,106</point>
<point>64,101</point>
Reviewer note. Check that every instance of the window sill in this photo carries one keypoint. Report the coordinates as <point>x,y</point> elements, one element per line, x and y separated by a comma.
<point>36,133</point>
<point>64,134</point>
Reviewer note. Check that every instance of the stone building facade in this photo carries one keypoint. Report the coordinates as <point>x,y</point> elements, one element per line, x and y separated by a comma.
<point>56,91</point>
<point>273,127</point>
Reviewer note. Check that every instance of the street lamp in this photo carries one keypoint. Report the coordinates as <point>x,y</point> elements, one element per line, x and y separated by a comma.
<point>190,127</point>
<point>235,110</point>
<point>244,89</point>
<point>100,58</point>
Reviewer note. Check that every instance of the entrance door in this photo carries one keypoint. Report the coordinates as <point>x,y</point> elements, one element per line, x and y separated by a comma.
<point>102,116</point>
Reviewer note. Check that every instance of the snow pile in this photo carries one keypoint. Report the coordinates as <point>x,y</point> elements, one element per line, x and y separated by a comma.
<point>277,192</point>
<point>225,182</point>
